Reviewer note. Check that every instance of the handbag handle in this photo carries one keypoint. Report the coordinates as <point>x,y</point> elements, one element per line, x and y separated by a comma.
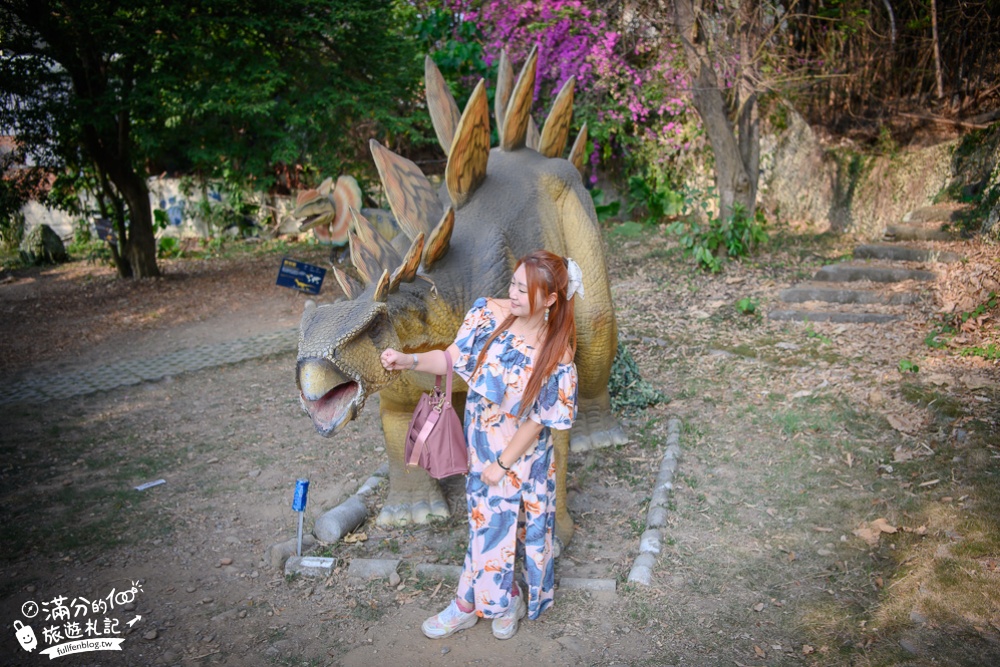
<point>447,375</point>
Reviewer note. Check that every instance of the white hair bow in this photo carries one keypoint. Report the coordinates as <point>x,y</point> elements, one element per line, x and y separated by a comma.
<point>575,279</point>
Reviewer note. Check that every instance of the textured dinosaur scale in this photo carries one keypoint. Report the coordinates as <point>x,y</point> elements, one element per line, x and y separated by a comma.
<point>458,243</point>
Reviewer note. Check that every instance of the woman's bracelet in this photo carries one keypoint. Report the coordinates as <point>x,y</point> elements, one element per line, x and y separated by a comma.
<point>502,466</point>
<point>414,366</point>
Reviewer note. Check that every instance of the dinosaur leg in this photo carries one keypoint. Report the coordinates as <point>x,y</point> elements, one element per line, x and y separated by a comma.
<point>596,331</point>
<point>595,424</point>
<point>414,497</point>
<point>564,523</point>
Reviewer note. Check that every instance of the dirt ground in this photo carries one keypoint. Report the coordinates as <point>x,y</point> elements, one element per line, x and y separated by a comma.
<point>795,437</point>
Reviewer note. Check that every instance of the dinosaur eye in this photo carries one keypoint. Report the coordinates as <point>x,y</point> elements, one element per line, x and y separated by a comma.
<point>377,331</point>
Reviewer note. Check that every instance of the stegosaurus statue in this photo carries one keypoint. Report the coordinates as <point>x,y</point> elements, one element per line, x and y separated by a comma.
<point>495,206</point>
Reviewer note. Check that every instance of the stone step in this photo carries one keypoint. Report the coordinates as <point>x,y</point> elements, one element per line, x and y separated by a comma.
<point>919,233</point>
<point>848,273</point>
<point>904,253</point>
<point>838,317</point>
<point>936,213</point>
<point>806,292</point>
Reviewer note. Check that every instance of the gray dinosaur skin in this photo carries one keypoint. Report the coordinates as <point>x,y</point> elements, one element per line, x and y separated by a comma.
<point>527,201</point>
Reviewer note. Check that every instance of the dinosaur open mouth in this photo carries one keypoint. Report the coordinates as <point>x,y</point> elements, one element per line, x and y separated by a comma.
<point>335,408</point>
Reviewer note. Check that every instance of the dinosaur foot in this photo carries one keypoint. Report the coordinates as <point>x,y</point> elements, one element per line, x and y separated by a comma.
<point>595,427</point>
<point>401,509</point>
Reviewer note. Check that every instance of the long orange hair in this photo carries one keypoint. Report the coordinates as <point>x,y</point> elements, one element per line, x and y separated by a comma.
<point>545,274</point>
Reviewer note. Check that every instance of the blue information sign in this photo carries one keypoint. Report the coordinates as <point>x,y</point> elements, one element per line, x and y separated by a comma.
<point>300,276</point>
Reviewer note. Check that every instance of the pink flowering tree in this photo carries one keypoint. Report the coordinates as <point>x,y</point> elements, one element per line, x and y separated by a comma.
<point>630,87</point>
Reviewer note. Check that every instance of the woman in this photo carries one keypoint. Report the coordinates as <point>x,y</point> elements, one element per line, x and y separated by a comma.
<point>516,355</point>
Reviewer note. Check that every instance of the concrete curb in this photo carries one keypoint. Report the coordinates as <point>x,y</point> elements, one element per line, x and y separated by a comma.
<point>650,543</point>
<point>351,513</point>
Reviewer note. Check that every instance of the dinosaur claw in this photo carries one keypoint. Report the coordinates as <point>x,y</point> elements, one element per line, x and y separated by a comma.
<point>416,511</point>
<point>595,428</point>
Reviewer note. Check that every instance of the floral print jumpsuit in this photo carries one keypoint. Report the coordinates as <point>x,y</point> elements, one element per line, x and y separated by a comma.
<point>491,408</point>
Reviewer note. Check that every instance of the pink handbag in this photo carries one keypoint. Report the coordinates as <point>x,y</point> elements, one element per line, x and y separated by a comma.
<point>435,440</point>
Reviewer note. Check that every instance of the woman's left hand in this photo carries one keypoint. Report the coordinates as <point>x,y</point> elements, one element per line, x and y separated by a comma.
<point>493,474</point>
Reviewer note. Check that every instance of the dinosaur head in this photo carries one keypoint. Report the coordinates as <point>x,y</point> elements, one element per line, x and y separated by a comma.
<point>326,209</point>
<point>338,365</point>
<point>340,344</point>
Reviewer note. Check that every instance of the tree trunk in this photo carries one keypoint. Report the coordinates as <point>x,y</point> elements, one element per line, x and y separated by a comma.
<point>749,144</point>
<point>141,247</point>
<point>937,51</point>
<point>137,242</point>
<point>736,163</point>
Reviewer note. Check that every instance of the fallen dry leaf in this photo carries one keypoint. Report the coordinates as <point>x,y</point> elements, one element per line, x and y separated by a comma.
<point>867,534</point>
<point>871,532</point>
<point>882,525</point>
<point>352,538</point>
<point>807,649</point>
<point>759,651</point>
<point>759,606</point>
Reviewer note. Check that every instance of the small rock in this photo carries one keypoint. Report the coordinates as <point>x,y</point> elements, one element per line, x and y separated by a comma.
<point>394,579</point>
<point>30,588</point>
<point>151,635</point>
<point>253,474</point>
<point>254,574</point>
<point>372,568</point>
<point>191,589</point>
<point>445,651</point>
<point>917,617</point>
<point>129,606</point>
<point>226,561</point>
<point>207,600</point>
<point>243,613</point>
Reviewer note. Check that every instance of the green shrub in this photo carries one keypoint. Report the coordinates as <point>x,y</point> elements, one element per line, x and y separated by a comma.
<point>709,244</point>
<point>629,392</point>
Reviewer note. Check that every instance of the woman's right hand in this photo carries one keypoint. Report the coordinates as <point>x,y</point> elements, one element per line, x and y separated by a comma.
<point>394,360</point>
